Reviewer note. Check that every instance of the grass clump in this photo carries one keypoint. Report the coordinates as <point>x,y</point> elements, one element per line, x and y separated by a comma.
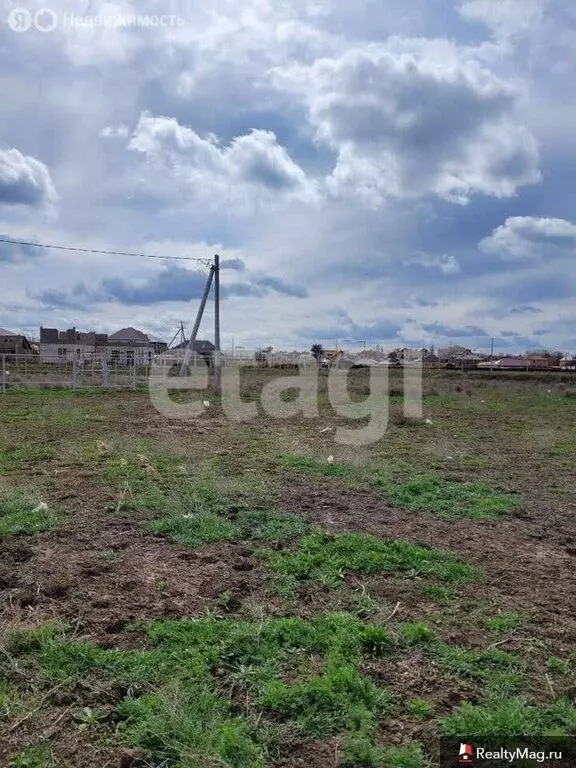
<point>21,515</point>
<point>327,559</point>
<point>420,708</point>
<point>408,756</point>
<point>505,621</point>
<point>511,717</point>
<point>314,466</point>
<point>442,595</point>
<point>190,724</point>
<point>34,756</point>
<point>501,673</point>
<point>451,500</point>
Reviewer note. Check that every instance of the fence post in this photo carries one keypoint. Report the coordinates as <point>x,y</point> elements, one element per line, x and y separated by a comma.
<point>134,375</point>
<point>104,372</point>
<point>74,374</point>
<point>3,373</point>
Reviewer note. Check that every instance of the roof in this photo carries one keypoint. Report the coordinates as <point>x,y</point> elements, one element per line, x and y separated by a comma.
<point>128,334</point>
<point>200,345</point>
<point>5,332</point>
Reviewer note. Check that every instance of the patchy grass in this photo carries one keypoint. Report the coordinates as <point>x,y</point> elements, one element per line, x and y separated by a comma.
<point>18,514</point>
<point>420,708</point>
<point>34,756</point>
<point>19,458</point>
<point>511,717</point>
<point>327,559</point>
<point>505,621</point>
<point>194,696</point>
<point>315,466</point>
<point>451,500</point>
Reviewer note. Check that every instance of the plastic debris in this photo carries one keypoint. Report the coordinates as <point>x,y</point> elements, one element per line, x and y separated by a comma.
<point>429,421</point>
<point>42,507</point>
<point>330,459</point>
<point>206,403</point>
<point>326,429</point>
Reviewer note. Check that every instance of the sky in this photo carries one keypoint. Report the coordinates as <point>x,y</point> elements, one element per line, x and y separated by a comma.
<point>397,173</point>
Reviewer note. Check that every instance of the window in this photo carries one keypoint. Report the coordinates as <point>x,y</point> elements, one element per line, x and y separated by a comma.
<point>130,356</point>
<point>115,355</point>
<point>62,351</point>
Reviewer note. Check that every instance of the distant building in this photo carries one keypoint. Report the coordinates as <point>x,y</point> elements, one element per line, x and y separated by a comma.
<point>128,346</point>
<point>14,343</point>
<point>202,351</point>
<point>63,346</point>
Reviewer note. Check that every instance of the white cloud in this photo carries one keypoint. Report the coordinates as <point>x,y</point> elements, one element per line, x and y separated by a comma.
<point>24,180</point>
<point>254,160</point>
<point>506,18</point>
<point>529,237</point>
<point>447,264</point>
<point>413,117</point>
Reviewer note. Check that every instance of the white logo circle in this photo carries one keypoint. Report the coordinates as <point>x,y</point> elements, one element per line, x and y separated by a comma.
<point>45,20</point>
<point>20,19</point>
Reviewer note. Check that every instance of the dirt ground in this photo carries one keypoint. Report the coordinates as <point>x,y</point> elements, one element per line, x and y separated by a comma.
<point>100,571</point>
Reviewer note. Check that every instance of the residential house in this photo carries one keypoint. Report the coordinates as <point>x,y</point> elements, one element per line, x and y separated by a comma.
<point>129,346</point>
<point>64,346</point>
<point>14,343</point>
<point>202,351</point>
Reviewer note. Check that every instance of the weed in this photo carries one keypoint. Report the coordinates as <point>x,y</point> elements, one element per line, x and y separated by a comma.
<point>360,750</point>
<point>419,708</point>
<point>87,717</point>
<point>20,515</point>
<point>326,559</point>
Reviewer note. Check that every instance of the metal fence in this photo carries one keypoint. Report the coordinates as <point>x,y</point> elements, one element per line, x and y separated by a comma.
<point>29,371</point>
<point>32,371</point>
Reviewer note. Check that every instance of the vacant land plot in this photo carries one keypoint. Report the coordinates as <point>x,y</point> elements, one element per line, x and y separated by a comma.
<point>213,594</point>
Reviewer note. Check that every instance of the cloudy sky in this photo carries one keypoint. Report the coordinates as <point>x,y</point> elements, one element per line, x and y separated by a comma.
<point>396,172</point>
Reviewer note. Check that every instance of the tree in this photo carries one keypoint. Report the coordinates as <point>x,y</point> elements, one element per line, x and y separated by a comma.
<point>317,351</point>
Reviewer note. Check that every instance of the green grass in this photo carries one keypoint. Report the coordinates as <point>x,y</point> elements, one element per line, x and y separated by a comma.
<point>314,466</point>
<point>505,621</point>
<point>327,559</point>
<point>20,515</point>
<point>221,691</point>
<point>34,756</point>
<point>510,717</point>
<point>19,458</point>
<point>419,708</point>
<point>451,500</point>
<point>442,595</point>
<point>501,674</point>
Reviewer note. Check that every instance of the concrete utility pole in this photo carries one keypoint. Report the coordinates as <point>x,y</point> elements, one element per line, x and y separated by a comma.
<point>492,354</point>
<point>194,334</point>
<point>217,351</point>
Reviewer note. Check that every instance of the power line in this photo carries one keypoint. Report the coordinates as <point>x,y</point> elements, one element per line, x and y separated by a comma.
<point>205,262</point>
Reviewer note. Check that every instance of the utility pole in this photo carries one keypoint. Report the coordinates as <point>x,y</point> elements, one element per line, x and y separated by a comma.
<point>217,351</point>
<point>492,354</point>
<point>190,348</point>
